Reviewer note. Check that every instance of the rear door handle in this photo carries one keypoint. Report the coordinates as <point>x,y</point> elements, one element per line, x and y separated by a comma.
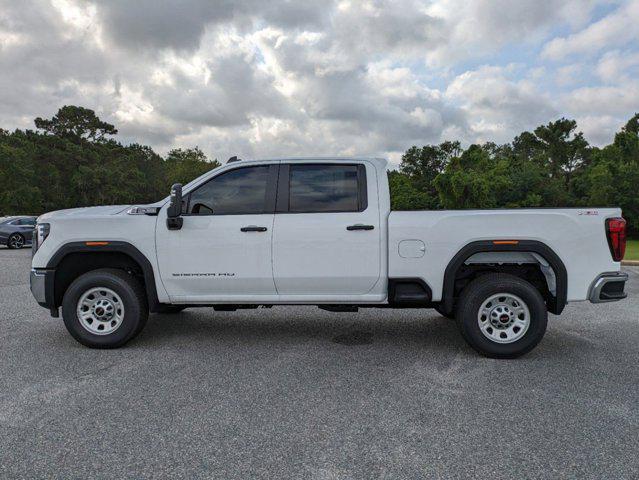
<point>253,228</point>
<point>359,226</point>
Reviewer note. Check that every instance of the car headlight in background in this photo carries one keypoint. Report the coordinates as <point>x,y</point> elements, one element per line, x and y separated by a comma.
<point>40,235</point>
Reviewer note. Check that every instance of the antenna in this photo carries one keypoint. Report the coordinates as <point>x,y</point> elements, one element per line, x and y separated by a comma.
<point>233,159</point>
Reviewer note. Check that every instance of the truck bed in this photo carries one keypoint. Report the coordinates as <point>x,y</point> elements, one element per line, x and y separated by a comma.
<point>577,236</point>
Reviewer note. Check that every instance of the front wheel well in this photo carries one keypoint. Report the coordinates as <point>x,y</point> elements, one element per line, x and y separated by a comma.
<point>78,263</point>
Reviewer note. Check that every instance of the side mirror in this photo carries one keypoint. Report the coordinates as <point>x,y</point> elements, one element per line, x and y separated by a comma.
<point>174,220</point>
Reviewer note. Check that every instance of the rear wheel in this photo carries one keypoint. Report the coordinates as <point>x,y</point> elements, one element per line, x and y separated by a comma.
<point>501,316</point>
<point>104,308</point>
<point>15,241</point>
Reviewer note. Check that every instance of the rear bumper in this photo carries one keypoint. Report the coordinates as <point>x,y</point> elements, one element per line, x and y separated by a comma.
<point>608,287</point>
<point>41,283</point>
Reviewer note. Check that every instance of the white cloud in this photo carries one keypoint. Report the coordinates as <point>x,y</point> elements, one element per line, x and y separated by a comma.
<point>569,74</point>
<point>496,105</point>
<point>480,27</point>
<point>258,78</point>
<point>600,129</point>
<point>615,66</point>
<point>604,100</point>
<point>617,28</point>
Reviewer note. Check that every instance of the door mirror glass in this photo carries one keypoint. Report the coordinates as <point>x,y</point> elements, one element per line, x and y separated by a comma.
<point>174,220</point>
<point>175,203</point>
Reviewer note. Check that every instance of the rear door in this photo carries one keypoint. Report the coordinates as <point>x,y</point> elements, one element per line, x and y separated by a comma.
<point>326,233</point>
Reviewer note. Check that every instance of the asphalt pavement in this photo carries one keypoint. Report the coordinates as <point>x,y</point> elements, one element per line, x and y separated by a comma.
<point>296,392</point>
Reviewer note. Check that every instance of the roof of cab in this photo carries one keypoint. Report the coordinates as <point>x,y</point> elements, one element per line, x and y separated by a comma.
<point>380,163</point>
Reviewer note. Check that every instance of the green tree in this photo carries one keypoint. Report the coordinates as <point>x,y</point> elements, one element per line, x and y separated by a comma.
<point>183,165</point>
<point>70,161</point>
<point>557,147</point>
<point>406,196</point>
<point>472,180</point>
<point>420,167</point>
<point>20,194</point>
<point>76,122</point>
<point>612,179</point>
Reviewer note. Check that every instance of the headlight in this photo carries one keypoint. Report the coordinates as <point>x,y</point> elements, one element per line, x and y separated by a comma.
<point>40,235</point>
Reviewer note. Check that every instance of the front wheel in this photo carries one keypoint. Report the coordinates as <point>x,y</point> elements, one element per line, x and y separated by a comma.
<point>104,308</point>
<point>501,316</point>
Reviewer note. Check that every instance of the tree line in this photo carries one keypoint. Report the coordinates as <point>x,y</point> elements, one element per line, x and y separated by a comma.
<point>552,166</point>
<point>70,160</point>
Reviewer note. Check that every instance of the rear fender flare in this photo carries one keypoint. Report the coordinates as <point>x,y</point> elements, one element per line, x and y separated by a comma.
<point>555,305</point>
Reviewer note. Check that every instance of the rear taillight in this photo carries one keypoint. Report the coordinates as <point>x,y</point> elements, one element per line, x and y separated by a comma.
<point>616,233</point>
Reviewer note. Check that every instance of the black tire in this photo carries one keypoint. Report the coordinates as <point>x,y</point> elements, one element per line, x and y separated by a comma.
<point>479,291</point>
<point>168,309</point>
<point>17,236</point>
<point>444,314</point>
<point>132,295</point>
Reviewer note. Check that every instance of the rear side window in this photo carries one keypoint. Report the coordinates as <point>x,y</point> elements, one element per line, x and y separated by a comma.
<point>27,221</point>
<point>325,188</point>
<point>239,192</point>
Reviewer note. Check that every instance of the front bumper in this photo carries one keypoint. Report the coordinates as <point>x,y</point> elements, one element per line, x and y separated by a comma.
<point>41,282</point>
<point>608,287</point>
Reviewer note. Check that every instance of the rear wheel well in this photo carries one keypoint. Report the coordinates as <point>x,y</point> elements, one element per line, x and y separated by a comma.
<point>530,260</point>
<point>78,263</point>
<point>530,272</point>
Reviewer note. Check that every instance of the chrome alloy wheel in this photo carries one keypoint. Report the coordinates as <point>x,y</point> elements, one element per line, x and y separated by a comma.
<point>503,318</point>
<point>16,241</point>
<point>100,311</point>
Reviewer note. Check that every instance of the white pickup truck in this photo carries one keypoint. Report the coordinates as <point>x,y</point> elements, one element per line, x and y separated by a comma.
<point>321,232</point>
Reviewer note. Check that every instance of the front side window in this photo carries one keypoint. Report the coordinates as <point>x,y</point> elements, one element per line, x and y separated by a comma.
<point>323,188</point>
<point>239,192</point>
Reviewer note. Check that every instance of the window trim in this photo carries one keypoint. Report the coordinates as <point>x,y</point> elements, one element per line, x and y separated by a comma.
<point>284,182</point>
<point>269,200</point>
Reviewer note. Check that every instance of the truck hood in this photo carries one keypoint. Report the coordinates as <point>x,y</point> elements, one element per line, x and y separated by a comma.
<point>85,212</point>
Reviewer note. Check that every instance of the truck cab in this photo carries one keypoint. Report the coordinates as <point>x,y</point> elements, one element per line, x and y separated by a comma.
<point>320,231</point>
<point>285,232</point>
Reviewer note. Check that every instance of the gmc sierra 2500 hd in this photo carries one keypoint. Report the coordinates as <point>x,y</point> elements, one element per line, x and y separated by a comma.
<point>321,232</point>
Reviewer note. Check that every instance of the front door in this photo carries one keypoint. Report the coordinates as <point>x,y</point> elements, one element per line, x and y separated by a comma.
<point>223,250</point>
<point>326,240</point>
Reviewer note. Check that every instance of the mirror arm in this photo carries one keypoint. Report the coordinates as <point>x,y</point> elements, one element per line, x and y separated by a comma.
<point>174,223</point>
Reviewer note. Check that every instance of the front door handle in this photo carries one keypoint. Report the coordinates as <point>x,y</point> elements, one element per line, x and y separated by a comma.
<point>359,226</point>
<point>253,228</point>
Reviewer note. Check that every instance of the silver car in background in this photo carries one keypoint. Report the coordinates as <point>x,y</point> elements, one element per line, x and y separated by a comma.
<point>16,232</point>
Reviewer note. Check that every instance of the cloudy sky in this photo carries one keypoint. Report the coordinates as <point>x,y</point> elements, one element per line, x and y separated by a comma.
<point>279,78</point>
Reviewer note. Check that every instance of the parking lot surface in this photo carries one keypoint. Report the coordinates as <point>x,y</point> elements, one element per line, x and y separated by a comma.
<point>296,392</point>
